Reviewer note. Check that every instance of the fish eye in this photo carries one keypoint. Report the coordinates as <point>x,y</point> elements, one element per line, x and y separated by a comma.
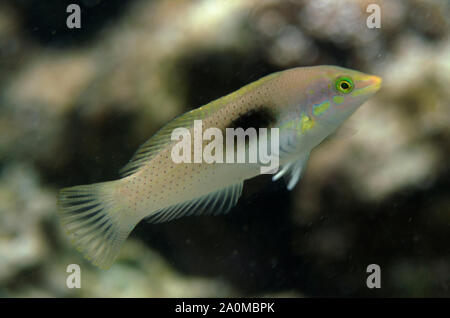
<point>344,85</point>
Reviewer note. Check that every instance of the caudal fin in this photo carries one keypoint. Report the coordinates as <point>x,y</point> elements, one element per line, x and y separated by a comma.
<point>95,221</point>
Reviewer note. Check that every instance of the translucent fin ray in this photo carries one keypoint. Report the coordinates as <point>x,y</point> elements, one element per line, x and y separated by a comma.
<point>292,171</point>
<point>95,221</point>
<point>214,203</point>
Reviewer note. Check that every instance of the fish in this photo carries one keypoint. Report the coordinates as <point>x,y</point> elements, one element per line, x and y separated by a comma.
<point>304,104</point>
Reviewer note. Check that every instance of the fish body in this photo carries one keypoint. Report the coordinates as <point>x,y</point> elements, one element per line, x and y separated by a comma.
<point>305,105</point>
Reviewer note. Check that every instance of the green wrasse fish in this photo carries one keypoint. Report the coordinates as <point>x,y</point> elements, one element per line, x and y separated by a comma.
<point>306,104</point>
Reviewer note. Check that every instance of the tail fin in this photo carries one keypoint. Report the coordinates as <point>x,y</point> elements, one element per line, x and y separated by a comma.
<point>95,221</point>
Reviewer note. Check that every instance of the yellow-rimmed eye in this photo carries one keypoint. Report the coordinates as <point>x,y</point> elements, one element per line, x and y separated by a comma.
<point>344,85</point>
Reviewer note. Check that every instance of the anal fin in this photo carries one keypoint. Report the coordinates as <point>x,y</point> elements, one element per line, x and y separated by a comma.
<point>214,203</point>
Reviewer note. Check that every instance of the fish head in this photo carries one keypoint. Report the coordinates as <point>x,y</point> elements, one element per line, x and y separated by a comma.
<point>334,93</point>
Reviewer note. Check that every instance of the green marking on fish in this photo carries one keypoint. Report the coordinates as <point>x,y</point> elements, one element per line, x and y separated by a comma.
<point>338,100</point>
<point>307,123</point>
<point>319,109</point>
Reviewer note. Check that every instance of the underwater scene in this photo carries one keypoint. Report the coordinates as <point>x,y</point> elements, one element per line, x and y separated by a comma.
<point>224,148</point>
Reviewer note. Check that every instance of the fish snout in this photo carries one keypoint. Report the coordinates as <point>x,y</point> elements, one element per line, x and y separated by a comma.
<point>367,86</point>
<point>375,82</point>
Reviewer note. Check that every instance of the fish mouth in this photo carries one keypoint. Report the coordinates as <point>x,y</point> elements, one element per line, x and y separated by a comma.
<point>371,85</point>
<point>375,82</point>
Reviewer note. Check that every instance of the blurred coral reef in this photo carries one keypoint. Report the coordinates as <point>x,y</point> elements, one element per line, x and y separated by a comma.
<point>76,104</point>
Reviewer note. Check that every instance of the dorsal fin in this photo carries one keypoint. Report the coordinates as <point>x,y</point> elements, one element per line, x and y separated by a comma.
<point>214,203</point>
<point>162,137</point>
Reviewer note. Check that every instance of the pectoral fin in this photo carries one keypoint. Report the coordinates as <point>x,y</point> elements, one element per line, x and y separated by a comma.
<point>292,171</point>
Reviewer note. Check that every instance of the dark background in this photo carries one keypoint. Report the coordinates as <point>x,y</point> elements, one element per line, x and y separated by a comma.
<point>75,105</point>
